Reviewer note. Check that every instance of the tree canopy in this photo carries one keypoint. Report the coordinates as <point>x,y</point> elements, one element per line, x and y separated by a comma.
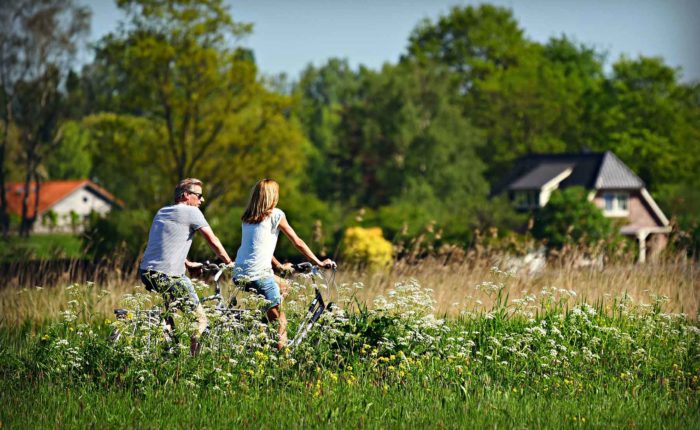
<point>182,93</point>
<point>173,93</point>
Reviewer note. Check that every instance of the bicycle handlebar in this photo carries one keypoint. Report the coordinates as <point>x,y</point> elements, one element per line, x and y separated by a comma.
<point>306,267</point>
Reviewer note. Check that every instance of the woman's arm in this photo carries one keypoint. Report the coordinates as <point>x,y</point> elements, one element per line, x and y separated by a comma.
<point>300,244</point>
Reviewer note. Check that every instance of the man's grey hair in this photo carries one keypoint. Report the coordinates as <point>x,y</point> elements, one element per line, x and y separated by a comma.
<point>185,185</point>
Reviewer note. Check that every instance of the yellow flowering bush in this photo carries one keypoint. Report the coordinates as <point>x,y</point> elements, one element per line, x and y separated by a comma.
<point>367,247</point>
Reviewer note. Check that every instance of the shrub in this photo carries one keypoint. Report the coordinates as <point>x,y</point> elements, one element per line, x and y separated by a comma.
<point>367,247</point>
<point>50,219</point>
<point>570,219</point>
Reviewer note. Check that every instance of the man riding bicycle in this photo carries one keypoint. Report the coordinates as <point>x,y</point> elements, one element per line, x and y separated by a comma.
<point>169,240</point>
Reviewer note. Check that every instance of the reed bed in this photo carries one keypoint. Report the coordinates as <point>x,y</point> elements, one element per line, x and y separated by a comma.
<point>673,282</point>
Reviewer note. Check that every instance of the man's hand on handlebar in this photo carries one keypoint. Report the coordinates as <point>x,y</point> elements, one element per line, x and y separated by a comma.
<point>328,264</point>
<point>285,268</point>
<point>194,268</point>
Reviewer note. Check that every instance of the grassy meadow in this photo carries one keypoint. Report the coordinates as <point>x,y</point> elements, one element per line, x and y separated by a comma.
<point>428,345</point>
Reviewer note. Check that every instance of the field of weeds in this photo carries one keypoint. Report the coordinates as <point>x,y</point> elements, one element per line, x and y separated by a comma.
<point>431,346</point>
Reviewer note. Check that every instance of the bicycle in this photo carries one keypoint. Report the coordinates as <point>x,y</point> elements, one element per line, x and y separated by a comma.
<point>225,318</point>
<point>318,305</point>
<point>152,325</point>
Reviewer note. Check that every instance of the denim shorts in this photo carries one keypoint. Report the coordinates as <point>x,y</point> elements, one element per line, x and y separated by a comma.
<point>171,287</point>
<point>267,287</point>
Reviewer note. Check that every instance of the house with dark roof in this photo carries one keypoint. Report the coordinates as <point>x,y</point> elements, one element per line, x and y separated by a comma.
<point>614,188</point>
<point>63,205</point>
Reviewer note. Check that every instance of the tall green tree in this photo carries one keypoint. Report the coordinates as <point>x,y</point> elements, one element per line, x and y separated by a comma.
<point>473,41</point>
<point>174,66</point>
<point>527,97</point>
<point>37,44</point>
<point>394,139</point>
<point>322,94</point>
<point>651,121</point>
<point>546,103</point>
<point>72,159</point>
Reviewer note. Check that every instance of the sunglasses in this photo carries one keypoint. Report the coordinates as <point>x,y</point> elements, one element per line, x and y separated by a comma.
<point>199,195</point>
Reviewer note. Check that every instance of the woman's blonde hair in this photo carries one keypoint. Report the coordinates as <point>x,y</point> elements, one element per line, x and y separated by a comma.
<point>263,198</point>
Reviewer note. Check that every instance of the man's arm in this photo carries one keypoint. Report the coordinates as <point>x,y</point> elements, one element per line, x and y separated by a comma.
<point>286,267</point>
<point>215,244</point>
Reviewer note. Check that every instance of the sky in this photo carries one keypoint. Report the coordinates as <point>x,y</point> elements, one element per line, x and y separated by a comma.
<point>290,34</point>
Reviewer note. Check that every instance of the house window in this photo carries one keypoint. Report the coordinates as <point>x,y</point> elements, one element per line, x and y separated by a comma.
<point>527,199</point>
<point>616,204</point>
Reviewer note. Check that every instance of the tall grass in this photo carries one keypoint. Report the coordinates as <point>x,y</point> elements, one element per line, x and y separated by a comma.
<point>453,283</point>
<point>676,281</point>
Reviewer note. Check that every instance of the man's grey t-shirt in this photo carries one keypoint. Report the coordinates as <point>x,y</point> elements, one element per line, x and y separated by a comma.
<point>170,238</point>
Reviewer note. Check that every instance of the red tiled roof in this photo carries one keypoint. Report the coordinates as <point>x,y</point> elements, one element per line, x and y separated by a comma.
<point>50,193</point>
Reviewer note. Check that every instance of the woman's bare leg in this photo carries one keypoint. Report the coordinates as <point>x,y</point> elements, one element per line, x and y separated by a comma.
<point>284,287</point>
<point>276,314</point>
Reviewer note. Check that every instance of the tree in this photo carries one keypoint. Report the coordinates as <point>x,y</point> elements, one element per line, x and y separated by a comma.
<point>193,101</point>
<point>37,41</point>
<point>651,122</point>
<point>72,158</point>
<point>527,97</point>
<point>394,139</point>
<point>474,42</point>
<point>322,94</point>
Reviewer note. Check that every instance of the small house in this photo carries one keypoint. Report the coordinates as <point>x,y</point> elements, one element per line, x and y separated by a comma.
<point>64,206</point>
<point>614,188</point>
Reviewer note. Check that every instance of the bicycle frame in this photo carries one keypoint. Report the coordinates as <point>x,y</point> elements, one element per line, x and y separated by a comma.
<point>316,308</point>
<point>150,318</point>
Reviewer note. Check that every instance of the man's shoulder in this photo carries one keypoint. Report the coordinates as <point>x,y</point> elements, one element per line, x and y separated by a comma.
<point>164,210</point>
<point>179,211</point>
<point>184,209</point>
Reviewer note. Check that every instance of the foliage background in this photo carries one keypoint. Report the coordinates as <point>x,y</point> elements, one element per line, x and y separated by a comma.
<point>414,145</point>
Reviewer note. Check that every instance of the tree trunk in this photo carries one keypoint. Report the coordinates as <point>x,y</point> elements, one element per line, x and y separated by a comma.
<point>28,222</point>
<point>37,192</point>
<point>4,215</point>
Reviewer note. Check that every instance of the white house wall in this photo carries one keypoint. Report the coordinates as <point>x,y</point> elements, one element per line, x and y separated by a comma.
<point>81,201</point>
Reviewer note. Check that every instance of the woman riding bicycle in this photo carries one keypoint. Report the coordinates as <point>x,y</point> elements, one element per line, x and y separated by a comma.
<point>262,222</point>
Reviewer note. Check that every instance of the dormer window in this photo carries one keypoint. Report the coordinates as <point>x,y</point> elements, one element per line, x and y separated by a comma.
<point>616,204</point>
